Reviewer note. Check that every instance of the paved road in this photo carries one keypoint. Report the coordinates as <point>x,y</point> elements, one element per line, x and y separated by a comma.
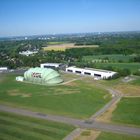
<point>21,71</point>
<point>76,122</point>
<point>105,108</point>
<point>116,96</point>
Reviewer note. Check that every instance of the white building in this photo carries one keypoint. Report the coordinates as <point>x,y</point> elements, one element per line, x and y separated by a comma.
<point>20,78</point>
<point>51,65</point>
<point>3,68</point>
<point>27,53</point>
<point>96,73</point>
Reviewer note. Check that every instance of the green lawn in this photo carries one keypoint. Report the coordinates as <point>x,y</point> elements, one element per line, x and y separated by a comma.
<point>127,111</point>
<point>113,136</point>
<point>111,58</point>
<point>132,66</point>
<point>136,82</point>
<point>15,127</point>
<point>78,99</point>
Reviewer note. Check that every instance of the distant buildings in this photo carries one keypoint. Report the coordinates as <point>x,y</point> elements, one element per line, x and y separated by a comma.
<point>28,53</point>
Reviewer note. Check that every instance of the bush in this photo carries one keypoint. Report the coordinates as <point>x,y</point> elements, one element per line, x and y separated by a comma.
<point>137,73</point>
<point>124,72</point>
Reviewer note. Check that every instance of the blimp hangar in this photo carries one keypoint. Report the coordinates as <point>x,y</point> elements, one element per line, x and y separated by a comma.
<point>44,76</point>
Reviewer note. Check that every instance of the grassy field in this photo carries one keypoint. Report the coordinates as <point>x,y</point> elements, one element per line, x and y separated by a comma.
<point>15,127</point>
<point>132,66</point>
<point>77,99</point>
<point>111,58</point>
<point>63,47</point>
<point>127,111</point>
<point>113,136</point>
<point>55,43</point>
<point>136,82</point>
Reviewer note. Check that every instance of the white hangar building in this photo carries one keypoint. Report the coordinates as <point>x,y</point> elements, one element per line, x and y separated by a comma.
<point>50,65</point>
<point>53,65</point>
<point>96,73</point>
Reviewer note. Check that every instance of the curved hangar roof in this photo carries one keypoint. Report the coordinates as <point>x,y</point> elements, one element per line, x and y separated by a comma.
<point>42,76</point>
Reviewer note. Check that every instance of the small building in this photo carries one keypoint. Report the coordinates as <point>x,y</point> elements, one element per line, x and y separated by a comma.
<point>96,73</point>
<point>54,66</point>
<point>28,53</point>
<point>19,78</point>
<point>3,68</point>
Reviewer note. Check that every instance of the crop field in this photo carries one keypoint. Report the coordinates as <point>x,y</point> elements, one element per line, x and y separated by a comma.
<point>79,99</point>
<point>131,66</point>
<point>110,58</point>
<point>113,136</point>
<point>63,47</point>
<point>127,111</point>
<point>15,127</point>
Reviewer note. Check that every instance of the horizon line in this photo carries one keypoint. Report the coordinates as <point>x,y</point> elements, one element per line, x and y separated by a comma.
<point>55,34</point>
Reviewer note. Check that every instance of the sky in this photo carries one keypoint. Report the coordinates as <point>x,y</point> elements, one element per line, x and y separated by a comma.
<point>36,17</point>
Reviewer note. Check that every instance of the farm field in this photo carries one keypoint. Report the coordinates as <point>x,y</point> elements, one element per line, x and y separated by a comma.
<point>16,127</point>
<point>79,99</point>
<point>131,66</point>
<point>110,58</point>
<point>113,136</point>
<point>127,111</point>
<point>63,47</point>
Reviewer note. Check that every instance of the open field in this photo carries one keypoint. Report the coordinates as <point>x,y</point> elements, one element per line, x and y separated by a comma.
<point>113,136</point>
<point>131,66</point>
<point>127,111</point>
<point>88,135</point>
<point>98,135</point>
<point>55,43</point>
<point>129,89</point>
<point>111,58</point>
<point>77,99</point>
<point>63,47</point>
<point>136,82</point>
<point>15,127</point>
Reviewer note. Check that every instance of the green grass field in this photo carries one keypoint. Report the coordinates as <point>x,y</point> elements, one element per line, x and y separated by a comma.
<point>136,82</point>
<point>127,111</point>
<point>78,99</point>
<point>113,136</point>
<point>131,66</point>
<point>15,127</point>
<point>112,58</point>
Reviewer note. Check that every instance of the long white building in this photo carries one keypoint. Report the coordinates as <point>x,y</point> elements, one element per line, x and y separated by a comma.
<point>3,68</point>
<point>50,65</point>
<point>96,73</point>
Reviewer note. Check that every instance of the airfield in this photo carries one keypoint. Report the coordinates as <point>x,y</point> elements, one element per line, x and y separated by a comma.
<point>82,107</point>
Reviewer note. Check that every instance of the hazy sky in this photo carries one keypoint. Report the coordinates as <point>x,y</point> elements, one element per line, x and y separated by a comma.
<point>30,17</point>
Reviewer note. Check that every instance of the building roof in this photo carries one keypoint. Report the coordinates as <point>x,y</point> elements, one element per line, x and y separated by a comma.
<point>51,63</point>
<point>92,69</point>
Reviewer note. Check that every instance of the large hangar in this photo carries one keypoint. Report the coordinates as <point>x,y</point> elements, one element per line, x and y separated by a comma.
<point>44,76</point>
<point>96,73</point>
